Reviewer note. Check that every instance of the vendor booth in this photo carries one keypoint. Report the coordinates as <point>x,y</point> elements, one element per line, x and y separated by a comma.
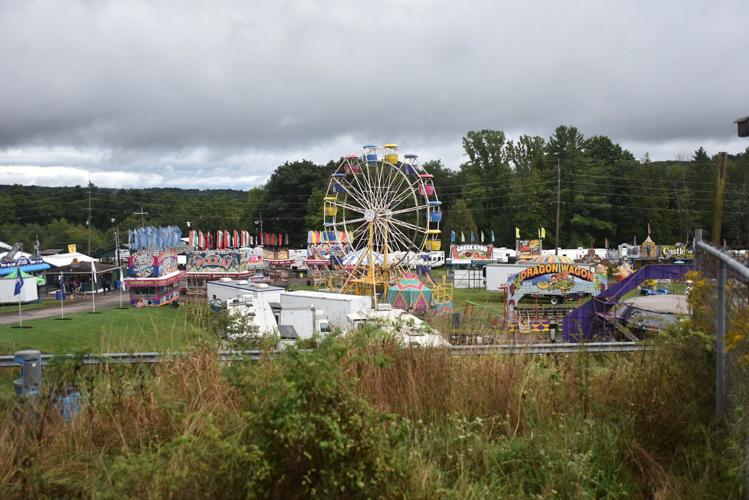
<point>28,293</point>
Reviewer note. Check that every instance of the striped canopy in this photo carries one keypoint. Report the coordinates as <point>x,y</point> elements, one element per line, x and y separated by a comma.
<point>410,293</point>
<point>552,259</point>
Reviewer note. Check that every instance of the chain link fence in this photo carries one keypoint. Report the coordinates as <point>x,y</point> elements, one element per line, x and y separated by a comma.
<point>720,305</point>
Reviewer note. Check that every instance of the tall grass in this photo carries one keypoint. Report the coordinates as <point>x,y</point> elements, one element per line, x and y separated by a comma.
<point>360,417</point>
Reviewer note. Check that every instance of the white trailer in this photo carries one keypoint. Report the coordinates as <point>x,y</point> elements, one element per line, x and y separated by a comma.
<point>336,306</point>
<point>226,288</point>
<point>306,321</point>
<point>497,274</point>
<point>258,314</point>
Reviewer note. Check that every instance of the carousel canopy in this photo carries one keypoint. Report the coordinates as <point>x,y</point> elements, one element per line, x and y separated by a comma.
<point>553,259</point>
<point>410,293</point>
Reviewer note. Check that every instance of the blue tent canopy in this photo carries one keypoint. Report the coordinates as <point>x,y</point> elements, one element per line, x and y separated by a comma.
<point>30,268</point>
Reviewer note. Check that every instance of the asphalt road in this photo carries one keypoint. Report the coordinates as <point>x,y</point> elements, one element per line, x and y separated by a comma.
<point>81,304</point>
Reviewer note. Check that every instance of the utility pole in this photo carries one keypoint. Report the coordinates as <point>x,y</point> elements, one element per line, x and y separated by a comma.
<point>720,187</point>
<point>559,189</point>
<point>142,214</point>
<point>88,221</point>
<point>262,237</point>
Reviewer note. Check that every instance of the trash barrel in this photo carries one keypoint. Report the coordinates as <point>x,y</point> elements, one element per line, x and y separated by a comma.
<point>456,320</point>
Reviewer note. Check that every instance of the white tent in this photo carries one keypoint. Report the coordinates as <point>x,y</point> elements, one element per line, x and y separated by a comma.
<point>29,291</point>
<point>65,259</point>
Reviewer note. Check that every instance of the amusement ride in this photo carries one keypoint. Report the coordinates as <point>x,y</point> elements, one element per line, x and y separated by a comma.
<point>387,209</point>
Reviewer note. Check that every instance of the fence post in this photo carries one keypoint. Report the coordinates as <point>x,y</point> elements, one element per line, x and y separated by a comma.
<point>720,347</point>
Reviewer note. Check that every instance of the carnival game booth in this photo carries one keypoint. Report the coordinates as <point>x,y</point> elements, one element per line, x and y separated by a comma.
<point>220,254</point>
<point>278,265</point>
<point>554,279</point>
<point>210,265</point>
<point>153,273</point>
<point>467,262</point>
<point>325,250</point>
<point>79,276</point>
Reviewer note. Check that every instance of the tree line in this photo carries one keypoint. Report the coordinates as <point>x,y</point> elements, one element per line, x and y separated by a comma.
<point>606,195</point>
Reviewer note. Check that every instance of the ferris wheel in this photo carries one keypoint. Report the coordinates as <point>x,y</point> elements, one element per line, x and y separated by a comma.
<point>386,210</point>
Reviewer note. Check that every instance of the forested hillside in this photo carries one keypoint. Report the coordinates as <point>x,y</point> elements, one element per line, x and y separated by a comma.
<point>606,193</point>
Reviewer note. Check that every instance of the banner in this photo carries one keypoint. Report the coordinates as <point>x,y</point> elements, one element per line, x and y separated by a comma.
<point>472,252</point>
<point>221,261</point>
<point>528,249</point>
<point>152,263</point>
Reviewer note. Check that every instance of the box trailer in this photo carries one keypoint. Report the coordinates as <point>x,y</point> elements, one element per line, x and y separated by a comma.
<point>226,288</point>
<point>306,321</point>
<point>498,274</point>
<point>335,305</point>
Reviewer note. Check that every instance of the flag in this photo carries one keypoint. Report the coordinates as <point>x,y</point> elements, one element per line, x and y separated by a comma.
<point>453,236</point>
<point>482,236</point>
<point>543,232</point>
<point>517,233</point>
<point>93,271</point>
<point>19,283</point>
<point>473,237</point>
<point>492,235</point>
<point>462,237</point>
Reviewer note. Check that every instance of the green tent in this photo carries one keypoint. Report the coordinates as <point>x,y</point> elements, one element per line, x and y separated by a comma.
<point>40,280</point>
<point>410,293</point>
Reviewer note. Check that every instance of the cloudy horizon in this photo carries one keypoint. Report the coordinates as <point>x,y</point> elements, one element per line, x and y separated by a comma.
<point>161,94</point>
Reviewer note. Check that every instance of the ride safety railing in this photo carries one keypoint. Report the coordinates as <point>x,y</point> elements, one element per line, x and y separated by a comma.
<point>720,304</point>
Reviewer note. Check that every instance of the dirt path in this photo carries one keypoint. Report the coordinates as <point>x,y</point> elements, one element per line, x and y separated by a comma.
<point>81,304</point>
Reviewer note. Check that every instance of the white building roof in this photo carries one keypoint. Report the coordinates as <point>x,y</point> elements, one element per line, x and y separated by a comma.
<point>65,259</point>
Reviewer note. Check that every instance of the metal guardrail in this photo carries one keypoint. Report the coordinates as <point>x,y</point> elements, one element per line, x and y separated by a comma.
<point>254,355</point>
<point>556,348</point>
<point>133,358</point>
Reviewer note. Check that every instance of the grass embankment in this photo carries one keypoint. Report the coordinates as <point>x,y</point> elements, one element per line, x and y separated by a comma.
<point>42,304</point>
<point>114,330</point>
<point>359,417</point>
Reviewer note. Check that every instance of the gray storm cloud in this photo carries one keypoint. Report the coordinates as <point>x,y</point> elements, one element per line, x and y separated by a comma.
<point>200,85</point>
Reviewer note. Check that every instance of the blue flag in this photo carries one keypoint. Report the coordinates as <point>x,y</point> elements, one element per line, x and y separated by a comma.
<point>453,236</point>
<point>19,282</point>
<point>473,237</point>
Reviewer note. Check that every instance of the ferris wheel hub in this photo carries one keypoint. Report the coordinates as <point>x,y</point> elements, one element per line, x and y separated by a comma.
<point>369,215</point>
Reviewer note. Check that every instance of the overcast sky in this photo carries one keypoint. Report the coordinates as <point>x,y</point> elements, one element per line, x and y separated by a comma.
<point>217,94</point>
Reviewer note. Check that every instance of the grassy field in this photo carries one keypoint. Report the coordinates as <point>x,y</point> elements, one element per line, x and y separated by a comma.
<point>114,330</point>
<point>358,417</point>
<point>13,308</point>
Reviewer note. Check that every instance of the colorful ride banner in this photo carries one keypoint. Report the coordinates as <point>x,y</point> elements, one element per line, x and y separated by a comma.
<point>555,279</point>
<point>152,264</point>
<point>472,252</point>
<point>220,261</point>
